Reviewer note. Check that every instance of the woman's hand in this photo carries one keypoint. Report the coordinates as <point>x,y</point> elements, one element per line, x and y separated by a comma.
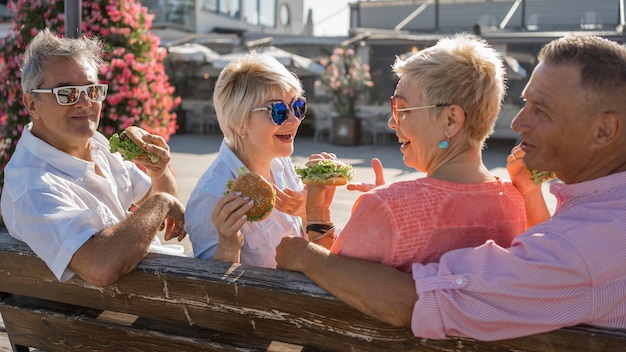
<point>229,216</point>
<point>377,166</point>
<point>318,201</point>
<point>291,202</point>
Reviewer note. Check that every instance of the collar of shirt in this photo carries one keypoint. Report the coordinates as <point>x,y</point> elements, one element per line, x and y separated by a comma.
<point>72,166</point>
<point>233,162</point>
<point>570,192</point>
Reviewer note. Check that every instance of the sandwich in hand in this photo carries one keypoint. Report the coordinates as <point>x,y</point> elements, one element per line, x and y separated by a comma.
<point>131,144</point>
<point>540,177</point>
<point>325,172</point>
<point>257,188</point>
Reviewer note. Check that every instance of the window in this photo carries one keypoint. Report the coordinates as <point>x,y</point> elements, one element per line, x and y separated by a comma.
<point>229,8</point>
<point>209,5</point>
<point>267,13</point>
<point>251,11</point>
<point>260,12</point>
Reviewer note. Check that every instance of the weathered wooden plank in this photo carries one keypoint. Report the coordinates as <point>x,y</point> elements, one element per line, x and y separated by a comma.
<point>254,304</point>
<point>71,328</point>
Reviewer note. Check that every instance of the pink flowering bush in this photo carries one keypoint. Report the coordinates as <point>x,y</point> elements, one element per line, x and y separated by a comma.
<point>346,79</point>
<point>139,89</point>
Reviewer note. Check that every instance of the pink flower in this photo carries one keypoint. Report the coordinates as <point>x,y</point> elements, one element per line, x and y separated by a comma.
<point>139,91</point>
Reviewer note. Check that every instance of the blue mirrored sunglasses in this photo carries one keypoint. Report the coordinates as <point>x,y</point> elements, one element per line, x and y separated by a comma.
<point>279,110</point>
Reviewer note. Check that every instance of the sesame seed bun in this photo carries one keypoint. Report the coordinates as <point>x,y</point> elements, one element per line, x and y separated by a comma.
<point>259,190</point>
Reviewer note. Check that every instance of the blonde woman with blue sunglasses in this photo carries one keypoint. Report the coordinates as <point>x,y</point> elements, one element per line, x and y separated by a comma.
<point>259,106</point>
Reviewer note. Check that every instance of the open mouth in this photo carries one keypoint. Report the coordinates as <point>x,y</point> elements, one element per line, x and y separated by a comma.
<point>285,137</point>
<point>403,142</point>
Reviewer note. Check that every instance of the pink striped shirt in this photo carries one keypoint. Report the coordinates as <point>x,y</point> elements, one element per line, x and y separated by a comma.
<point>566,271</point>
<point>427,217</point>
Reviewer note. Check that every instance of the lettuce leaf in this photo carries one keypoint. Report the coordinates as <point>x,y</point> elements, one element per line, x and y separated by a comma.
<point>127,148</point>
<point>540,177</point>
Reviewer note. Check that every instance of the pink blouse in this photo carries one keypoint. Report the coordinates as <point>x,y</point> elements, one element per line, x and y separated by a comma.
<point>417,221</point>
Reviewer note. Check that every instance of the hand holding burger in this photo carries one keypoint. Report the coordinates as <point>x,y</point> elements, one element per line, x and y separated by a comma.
<point>257,188</point>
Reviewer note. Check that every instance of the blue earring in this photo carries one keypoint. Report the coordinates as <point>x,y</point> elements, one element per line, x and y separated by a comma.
<point>445,143</point>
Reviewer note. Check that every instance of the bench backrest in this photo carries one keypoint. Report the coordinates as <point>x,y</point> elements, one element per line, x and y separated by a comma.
<point>254,303</point>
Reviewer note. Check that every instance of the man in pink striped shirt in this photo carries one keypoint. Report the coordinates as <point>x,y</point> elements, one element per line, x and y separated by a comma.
<point>565,270</point>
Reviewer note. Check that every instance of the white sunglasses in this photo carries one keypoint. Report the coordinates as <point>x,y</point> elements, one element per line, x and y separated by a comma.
<point>69,95</point>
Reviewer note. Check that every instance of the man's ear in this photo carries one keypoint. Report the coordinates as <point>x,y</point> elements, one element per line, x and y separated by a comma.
<point>608,126</point>
<point>28,99</point>
<point>455,118</point>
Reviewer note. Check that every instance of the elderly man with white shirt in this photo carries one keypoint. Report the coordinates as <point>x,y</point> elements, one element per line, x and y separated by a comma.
<point>65,194</point>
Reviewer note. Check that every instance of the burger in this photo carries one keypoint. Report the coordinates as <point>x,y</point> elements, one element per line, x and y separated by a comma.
<point>325,172</point>
<point>540,177</point>
<point>257,188</point>
<point>130,144</point>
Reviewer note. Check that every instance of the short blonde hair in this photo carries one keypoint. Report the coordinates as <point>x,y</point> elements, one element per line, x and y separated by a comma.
<point>245,84</point>
<point>461,70</point>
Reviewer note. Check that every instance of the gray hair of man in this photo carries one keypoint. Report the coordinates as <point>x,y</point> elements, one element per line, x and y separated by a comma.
<point>602,66</point>
<point>86,52</point>
<point>462,70</point>
<point>245,84</point>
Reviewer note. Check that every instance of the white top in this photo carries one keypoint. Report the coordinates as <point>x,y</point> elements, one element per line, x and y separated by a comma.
<point>55,202</point>
<point>260,238</point>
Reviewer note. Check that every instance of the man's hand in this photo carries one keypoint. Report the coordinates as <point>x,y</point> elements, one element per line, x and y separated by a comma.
<point>156,145</point>
<point>174,223</point>
<point>291,253</point>
<point>377,166</point>
<point>519,173</point>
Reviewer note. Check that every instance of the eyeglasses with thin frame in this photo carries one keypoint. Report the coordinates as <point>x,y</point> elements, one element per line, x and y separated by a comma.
<point>69,95</point>
<point>279,110</point>
<point>395,110</point>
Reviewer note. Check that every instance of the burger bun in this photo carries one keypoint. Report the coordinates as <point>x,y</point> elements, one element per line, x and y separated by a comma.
<point>258,189</point>
<point>331,181</point>
<point>136,134</point>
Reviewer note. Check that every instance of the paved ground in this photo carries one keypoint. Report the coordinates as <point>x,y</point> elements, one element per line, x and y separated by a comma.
<point>191,155</point>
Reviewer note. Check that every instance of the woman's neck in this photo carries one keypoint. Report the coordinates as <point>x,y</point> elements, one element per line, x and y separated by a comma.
<point>256,163</point>
<point>462,167</point>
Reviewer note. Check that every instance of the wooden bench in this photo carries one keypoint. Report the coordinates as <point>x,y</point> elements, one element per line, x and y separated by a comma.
<point>185,304</point>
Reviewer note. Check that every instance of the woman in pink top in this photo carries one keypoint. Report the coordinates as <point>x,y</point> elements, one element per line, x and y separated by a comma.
<point>443,109</point>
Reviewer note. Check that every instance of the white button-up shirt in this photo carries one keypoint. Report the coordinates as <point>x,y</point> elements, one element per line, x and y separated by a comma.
<point>55,202</point>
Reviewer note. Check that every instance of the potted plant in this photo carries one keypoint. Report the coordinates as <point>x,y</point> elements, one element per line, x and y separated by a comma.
<point>346,80</point>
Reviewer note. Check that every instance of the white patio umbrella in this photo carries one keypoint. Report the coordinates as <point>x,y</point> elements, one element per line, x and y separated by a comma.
<point>193,52</point>
<point>302,66</point>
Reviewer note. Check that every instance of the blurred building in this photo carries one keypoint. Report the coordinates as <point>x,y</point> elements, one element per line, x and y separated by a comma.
<point>380,30</point>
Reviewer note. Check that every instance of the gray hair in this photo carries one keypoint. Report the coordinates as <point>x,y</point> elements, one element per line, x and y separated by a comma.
<point>245,83</point>
<point>602,65</point>
<point>84,51</point>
